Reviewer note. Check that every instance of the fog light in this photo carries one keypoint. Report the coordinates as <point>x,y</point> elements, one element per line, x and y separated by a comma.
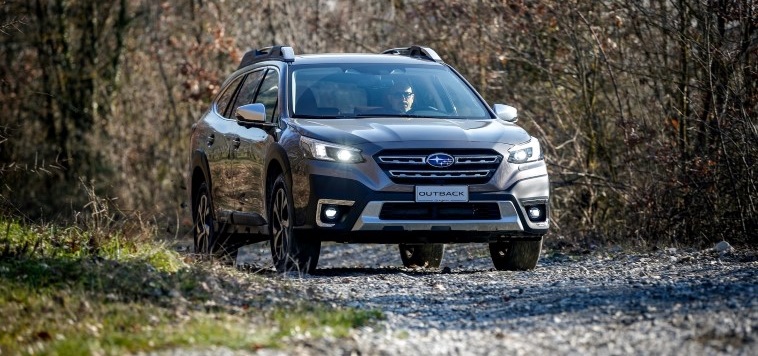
<point>331,212</point>
<point>534,213</point>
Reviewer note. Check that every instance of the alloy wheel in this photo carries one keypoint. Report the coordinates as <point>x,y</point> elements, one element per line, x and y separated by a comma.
<point>203,222</point>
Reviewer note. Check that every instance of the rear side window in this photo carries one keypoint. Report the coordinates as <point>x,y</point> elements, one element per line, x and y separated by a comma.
<point>222,104</point>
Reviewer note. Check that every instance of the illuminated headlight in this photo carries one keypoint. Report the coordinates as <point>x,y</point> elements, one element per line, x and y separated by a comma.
<point>525,152</point>
<point>330,151</point>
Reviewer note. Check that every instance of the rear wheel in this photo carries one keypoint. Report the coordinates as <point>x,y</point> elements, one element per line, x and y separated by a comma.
<point>290,251</point>
<point>516,255</point>
<point>207,240</point>
<point>422,255</point>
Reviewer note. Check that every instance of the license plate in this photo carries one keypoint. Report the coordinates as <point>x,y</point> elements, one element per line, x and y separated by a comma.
<point>442,193</point>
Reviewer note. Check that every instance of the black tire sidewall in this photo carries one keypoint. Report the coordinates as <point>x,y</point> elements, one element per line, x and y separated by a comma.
<point>516,255</point>
<point>297,251</point>
<point>421,255</point>
<point>279,248</point>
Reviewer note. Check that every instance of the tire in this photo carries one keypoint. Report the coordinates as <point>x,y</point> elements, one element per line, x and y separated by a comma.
<point>421,255</point>
<point>290,251</point>
<point>516,255</point>
<point>206,237</point>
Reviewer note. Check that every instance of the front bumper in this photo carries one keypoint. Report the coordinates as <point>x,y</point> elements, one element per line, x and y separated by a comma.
<point>361,213</point>
<point>370,220</point>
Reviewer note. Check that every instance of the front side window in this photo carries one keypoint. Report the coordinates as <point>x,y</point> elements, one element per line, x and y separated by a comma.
<point>268,94</point>
<point>249,88</point>
<point>378,90</point>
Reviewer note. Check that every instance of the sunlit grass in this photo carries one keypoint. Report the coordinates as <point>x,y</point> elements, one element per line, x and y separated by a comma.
<point>309,318</point>
<point>67,322</point>
<point>64,291</point>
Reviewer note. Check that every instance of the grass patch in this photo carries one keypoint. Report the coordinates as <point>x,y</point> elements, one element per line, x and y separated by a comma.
<point>66,291</point>
<point>67,322</point>
<point>318,321</point>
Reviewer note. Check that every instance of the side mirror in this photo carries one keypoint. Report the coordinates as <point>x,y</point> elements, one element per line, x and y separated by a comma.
<point>251,113</point>
<point>506,112</point>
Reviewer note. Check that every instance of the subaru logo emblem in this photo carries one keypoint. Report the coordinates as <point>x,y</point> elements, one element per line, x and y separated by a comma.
<point>440,160</point>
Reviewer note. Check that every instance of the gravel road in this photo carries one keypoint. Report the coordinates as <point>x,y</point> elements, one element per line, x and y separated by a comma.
<point>673,302</point>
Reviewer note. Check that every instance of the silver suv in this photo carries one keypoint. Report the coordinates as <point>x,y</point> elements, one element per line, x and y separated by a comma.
<point>393,148</point>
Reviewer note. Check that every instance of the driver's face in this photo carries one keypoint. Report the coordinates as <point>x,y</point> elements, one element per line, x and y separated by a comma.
<point>401,100</point>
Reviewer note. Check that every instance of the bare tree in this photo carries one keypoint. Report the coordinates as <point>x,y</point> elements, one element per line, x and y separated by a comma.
<point>646,113</point>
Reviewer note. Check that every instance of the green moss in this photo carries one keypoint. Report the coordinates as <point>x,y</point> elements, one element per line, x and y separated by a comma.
<point>59,295</point>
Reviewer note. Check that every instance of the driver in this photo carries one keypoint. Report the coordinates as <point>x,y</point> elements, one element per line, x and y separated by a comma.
<point>400,97</point>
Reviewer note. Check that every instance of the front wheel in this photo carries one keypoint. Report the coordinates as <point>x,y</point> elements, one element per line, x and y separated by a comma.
<point>422,255</point>
<point>290,251</point>
<point>516,255</point>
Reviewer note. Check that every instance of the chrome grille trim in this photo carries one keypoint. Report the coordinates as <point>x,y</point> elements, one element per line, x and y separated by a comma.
<point>476,159</point>
<point>403,159</point>
<point>411,166</point>
<point>468,159</point>
<point>439,174</point>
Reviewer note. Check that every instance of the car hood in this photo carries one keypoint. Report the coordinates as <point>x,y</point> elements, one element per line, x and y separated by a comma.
<point>364,130</point>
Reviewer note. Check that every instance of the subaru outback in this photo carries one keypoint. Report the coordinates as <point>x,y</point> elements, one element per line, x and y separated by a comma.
<point>392,148</point>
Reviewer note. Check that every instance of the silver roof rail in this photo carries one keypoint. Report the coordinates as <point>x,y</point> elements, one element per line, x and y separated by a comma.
<point>415,52</point>
<point>273,53</point>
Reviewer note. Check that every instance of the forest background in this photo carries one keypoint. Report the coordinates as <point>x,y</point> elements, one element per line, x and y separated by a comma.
<point>646,110</point>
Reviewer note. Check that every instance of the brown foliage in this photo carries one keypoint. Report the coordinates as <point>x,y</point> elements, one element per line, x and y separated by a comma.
<point>646,113</point>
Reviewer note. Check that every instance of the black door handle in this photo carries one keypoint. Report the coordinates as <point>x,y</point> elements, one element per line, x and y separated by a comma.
<point>236,143</point>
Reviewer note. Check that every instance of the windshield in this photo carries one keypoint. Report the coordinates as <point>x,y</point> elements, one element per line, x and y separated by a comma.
<point>382,90</point>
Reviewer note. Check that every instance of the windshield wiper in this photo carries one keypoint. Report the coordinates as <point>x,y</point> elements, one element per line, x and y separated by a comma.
<point>305,116</point>
<point>336,116</point>
<point>384,115</point>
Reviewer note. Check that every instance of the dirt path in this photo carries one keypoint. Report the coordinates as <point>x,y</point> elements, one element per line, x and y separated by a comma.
<point>668,302</point>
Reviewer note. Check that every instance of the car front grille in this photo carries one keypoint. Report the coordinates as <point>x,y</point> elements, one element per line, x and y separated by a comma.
<point>412,167</point>
<point>440,211</point>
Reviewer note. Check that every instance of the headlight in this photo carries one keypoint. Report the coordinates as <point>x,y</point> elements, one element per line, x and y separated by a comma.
<point>330,151</point>
<point>525,152</point>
